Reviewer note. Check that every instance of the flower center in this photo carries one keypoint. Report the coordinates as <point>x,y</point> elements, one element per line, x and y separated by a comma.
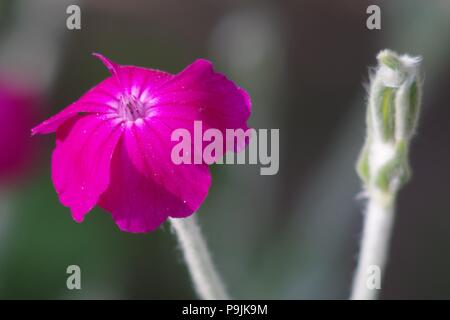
<point>131,109</point>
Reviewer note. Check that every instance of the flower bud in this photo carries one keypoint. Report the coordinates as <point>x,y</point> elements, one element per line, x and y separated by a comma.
<point>393,110</point>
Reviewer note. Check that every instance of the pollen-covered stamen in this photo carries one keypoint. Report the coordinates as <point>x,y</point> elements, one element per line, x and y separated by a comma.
<point>131,108</point>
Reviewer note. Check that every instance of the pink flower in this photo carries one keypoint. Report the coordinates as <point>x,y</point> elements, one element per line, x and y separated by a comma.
<point>114,144</point>
<point>18,106</point>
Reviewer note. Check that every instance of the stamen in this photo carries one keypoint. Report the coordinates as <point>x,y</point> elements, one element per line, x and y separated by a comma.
<point>131,109</point>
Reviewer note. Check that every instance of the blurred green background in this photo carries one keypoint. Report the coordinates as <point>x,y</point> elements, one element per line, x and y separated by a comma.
<point>289,236</point>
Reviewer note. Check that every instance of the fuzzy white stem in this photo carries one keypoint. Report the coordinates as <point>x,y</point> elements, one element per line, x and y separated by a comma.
<point>205,277</point>
<point>376,235</point>
<point>394,102</point>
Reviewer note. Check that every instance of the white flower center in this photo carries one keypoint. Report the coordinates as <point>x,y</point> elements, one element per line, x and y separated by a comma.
<point>131,108</point>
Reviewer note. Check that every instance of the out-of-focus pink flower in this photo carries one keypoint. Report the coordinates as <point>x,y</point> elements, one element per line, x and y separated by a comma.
<point>18,106</point>
<point>114,144</point>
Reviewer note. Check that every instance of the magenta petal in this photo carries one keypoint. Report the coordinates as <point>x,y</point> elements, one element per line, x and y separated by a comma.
<point>81,161</point>
<point>105,97</point>
<point>109,64</point>
<point>199,93</point>
<point>18,107</point>
<point>146,187</point>
<point>208,94</point>
<point>135,80</point>
<point>97,100</point>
